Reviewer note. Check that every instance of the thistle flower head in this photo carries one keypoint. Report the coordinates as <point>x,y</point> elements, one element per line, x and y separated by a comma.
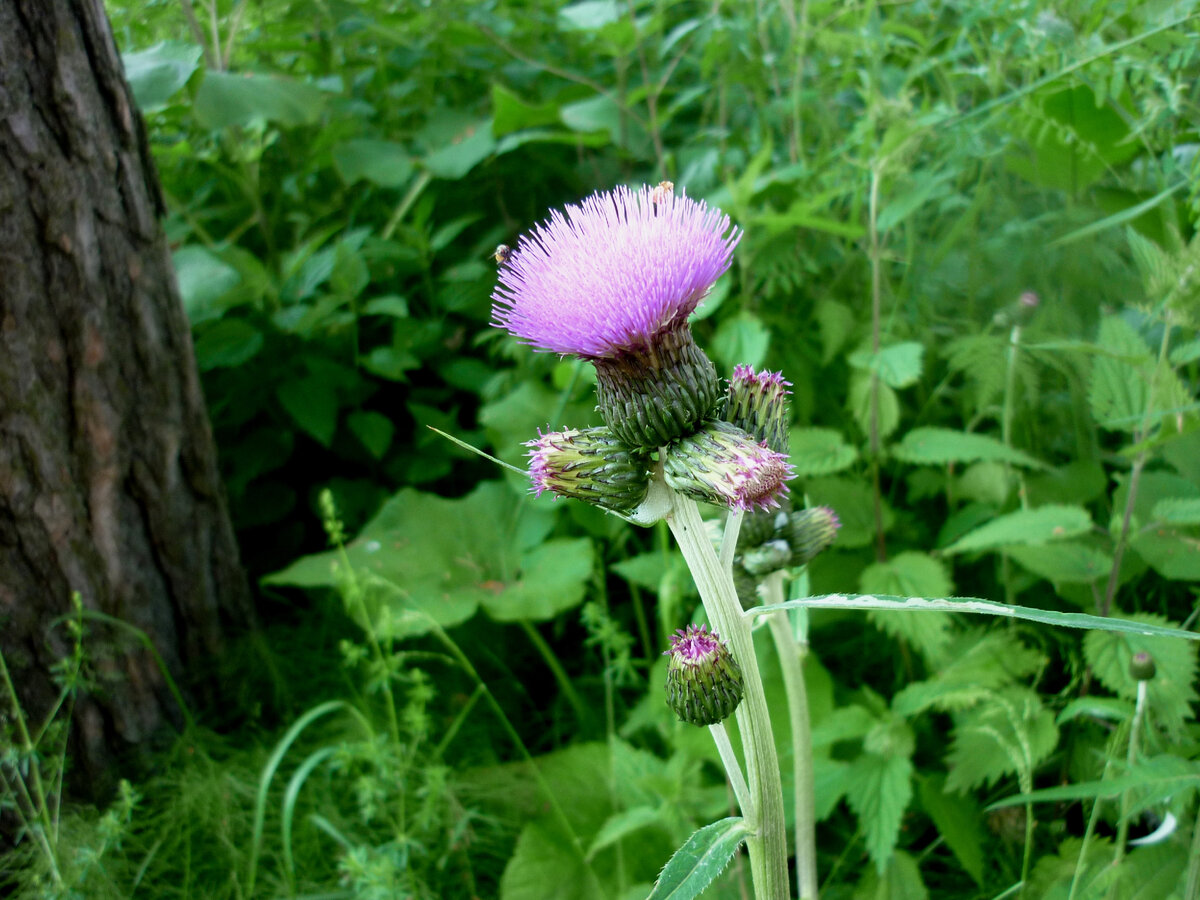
<point>757,403</point>
<point>704,681</point>
<point>590,465</point>
<point>809,531</point>
<point>722,464</point>
<point>606,277</point>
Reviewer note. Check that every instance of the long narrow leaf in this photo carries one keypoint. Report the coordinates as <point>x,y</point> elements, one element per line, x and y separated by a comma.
<point>975,605</point>
<point>701,859</point>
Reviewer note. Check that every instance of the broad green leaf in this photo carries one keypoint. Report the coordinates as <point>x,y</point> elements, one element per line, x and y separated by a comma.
<point>1170,691</point>
<point>1008,732</point>
<point>553,579</point>
<point>203,279</point>
<point>1163,776</point>
<point>1096,708</point>
<point>1026,526</point>
<point>851,499</point>
<point>599,113</point>
<point>1120,378</point>
<point>898,365</point>
<point>831,779</point>
<point>1178,511</point>
<point>819,451</point>
<point>622,825</point>
<point>879,792</point>
<point>313,404</point>
<point>741,340</point>
<point>227,344</point>
<point>510,113</point>
<point>648,570</point>
<point>942,446</point>
<point>957,819</point>
<point>374,430</point>
<point>442,557</point>
<point>390,363</point>
<point>913,574</point>
<point>157,74</point>
<point>462,151</point>
<point>388,305</point>
<point>988,483</point>
<point>701,859</point>
<point>900,880</point>
<point>1172,552</point>
<point>383,163</point>
<point>1064,562</point>
<point>835,323</point>
<point>589,15</point>
<point>1185,353</point>
<point>984,607</point>
<point>859,404</point>
<point>350,275</point>
<point>226,99</point>
<point>547,862</point>
<point>976,663</point>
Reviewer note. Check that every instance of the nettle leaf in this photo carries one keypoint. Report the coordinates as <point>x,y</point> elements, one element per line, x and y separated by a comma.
<point>1172,552</point>
<point>1120,377</point>
<point>743,339</point>
<point>622,825</point>
<point>978,664</point>
<point>547,863</point>
<point>1026,526</point>
<point>1008,732</point>
<point>1169,692</point>
<point>900,880</point>
<point>700,860</point>
<point>859,404</point>
<point>225,99</point>
<point>819,451</point>
<point>879,792</point>
<point>831,780</point>
<point>441,559</point>
<point>957,818</point>
<point>898,365</point>
<point>983,359</point>
<point>1064,562</point>
<point>912,574</point>
<point>942,446</point>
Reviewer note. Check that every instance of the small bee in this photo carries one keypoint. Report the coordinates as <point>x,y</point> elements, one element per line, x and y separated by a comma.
<point>661,194</point>
<point>502,254</point>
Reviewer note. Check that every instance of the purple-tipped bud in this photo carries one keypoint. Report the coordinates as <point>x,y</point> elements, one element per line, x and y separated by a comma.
<point>757,402</point>
<point>589,465</point>
<point>1142,667</point>
<point>722,464</point>
<point>704,681</point>
<point>809,531</point>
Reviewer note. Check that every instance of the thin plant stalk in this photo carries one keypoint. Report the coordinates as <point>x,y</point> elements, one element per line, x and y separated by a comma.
<point>1135,728</point>
<point>767,845</point>
<point>1192,891</point>
<point>560,674</point>
<point>876,255</point>
<point>733,768</point>
<point>791,661</point>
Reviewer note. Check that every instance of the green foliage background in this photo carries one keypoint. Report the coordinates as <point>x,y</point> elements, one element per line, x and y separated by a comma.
<point>970,244</point>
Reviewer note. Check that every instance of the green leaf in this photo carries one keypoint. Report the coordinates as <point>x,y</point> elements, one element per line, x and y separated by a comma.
<point>819,451</point>
<point>700,860</point>
<point>975,663</point>
<point>313,404</point>
<point>599,113</point>
<point>741,340</point>
<point>1096,708</point>
<point>547,863</point>
<point>1008,732</point>
<point>942,446</point>
<point>553,579</point>
<point>225,99</point>
<point>853,502</point>
<point>835,323</point>
<point>622,825</point>
<point>1178,511</point>
<point>157,74</point>
<point>383,163</point>
<point>649,570</point>
<point>1025,526</point>
<point>510,113</point>
<point>588,15</point>
<point>1185,353</point>
<point>975,605</point>
<point>911,573</point>
<point>898,365</point>
<point>900,880</point>
<point>1120,383</point>
<point>227,344</point>
<point>1173,553</point>
<point>1064,562</point>
<point>1169,692</point>
<point>879,792</point>
<point>374,430</point>
<point>203,279</point>
<point>390,363</point>
<point>460,152</point>
<point>388,305</point>
<point>350,275</point>
<point>859,404</point>
<point>957,819</point>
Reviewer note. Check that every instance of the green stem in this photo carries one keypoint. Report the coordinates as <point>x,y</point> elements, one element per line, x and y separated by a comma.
<point>791,661</point>
<point>560,674</point>
<point>767,846</point>
<point>1192,891</point>
<point>733,768</point>
<point>1131,755</point>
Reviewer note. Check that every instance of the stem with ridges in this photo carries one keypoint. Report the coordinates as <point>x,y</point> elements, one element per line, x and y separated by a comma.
<point>767,846</point>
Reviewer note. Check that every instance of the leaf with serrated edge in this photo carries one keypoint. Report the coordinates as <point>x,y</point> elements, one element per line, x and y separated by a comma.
<point>702,858</point>
<point>941,446</point>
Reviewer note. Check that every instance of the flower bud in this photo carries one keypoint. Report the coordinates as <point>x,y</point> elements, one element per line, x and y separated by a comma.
<point>1142,667</point>
<point>723,464</point>
<point>704,681</point>
<point>768,557</point>
<point>757,403</point>
<point>809,531</point>
<point>590,465</point>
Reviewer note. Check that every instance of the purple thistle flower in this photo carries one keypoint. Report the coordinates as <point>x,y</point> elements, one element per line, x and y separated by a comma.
<point>611,274</point>
<point>704,681</point>
<point>757,403</point>
<point>723,464</point>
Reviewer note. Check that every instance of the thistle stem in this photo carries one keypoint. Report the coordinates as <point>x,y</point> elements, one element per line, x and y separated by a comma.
<point>767,846</point>
<point>791,660</point>
<point>733,768</point>
<point>1135,727</point>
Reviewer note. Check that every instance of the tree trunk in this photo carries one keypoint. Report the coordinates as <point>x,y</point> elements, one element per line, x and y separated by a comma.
<point>108,474</point>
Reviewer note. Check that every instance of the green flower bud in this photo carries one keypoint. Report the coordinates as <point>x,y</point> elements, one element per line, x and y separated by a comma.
<point>809,531</point>
<point>757,403</point>
<point>704,681</point>
<point>1142,667</point>
<point>767,557</point>
<point>589,465</point>
<point>723,464</point>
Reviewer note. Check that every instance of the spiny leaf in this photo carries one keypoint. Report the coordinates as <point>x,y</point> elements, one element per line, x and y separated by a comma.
<point>1009,732</point>
<point>702,858</point>
<point>1120,378</point>
<point>879,792</point>
<point>979,662</point>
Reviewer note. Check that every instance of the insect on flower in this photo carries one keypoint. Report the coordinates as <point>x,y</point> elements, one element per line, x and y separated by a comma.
<point>661,193</point>
<point>502,254</point>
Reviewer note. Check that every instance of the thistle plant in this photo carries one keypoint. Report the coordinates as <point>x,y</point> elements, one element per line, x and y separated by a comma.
<point>613,281</point>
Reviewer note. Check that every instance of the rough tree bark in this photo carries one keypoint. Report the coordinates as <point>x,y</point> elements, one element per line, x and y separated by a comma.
<point>108,474</point>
